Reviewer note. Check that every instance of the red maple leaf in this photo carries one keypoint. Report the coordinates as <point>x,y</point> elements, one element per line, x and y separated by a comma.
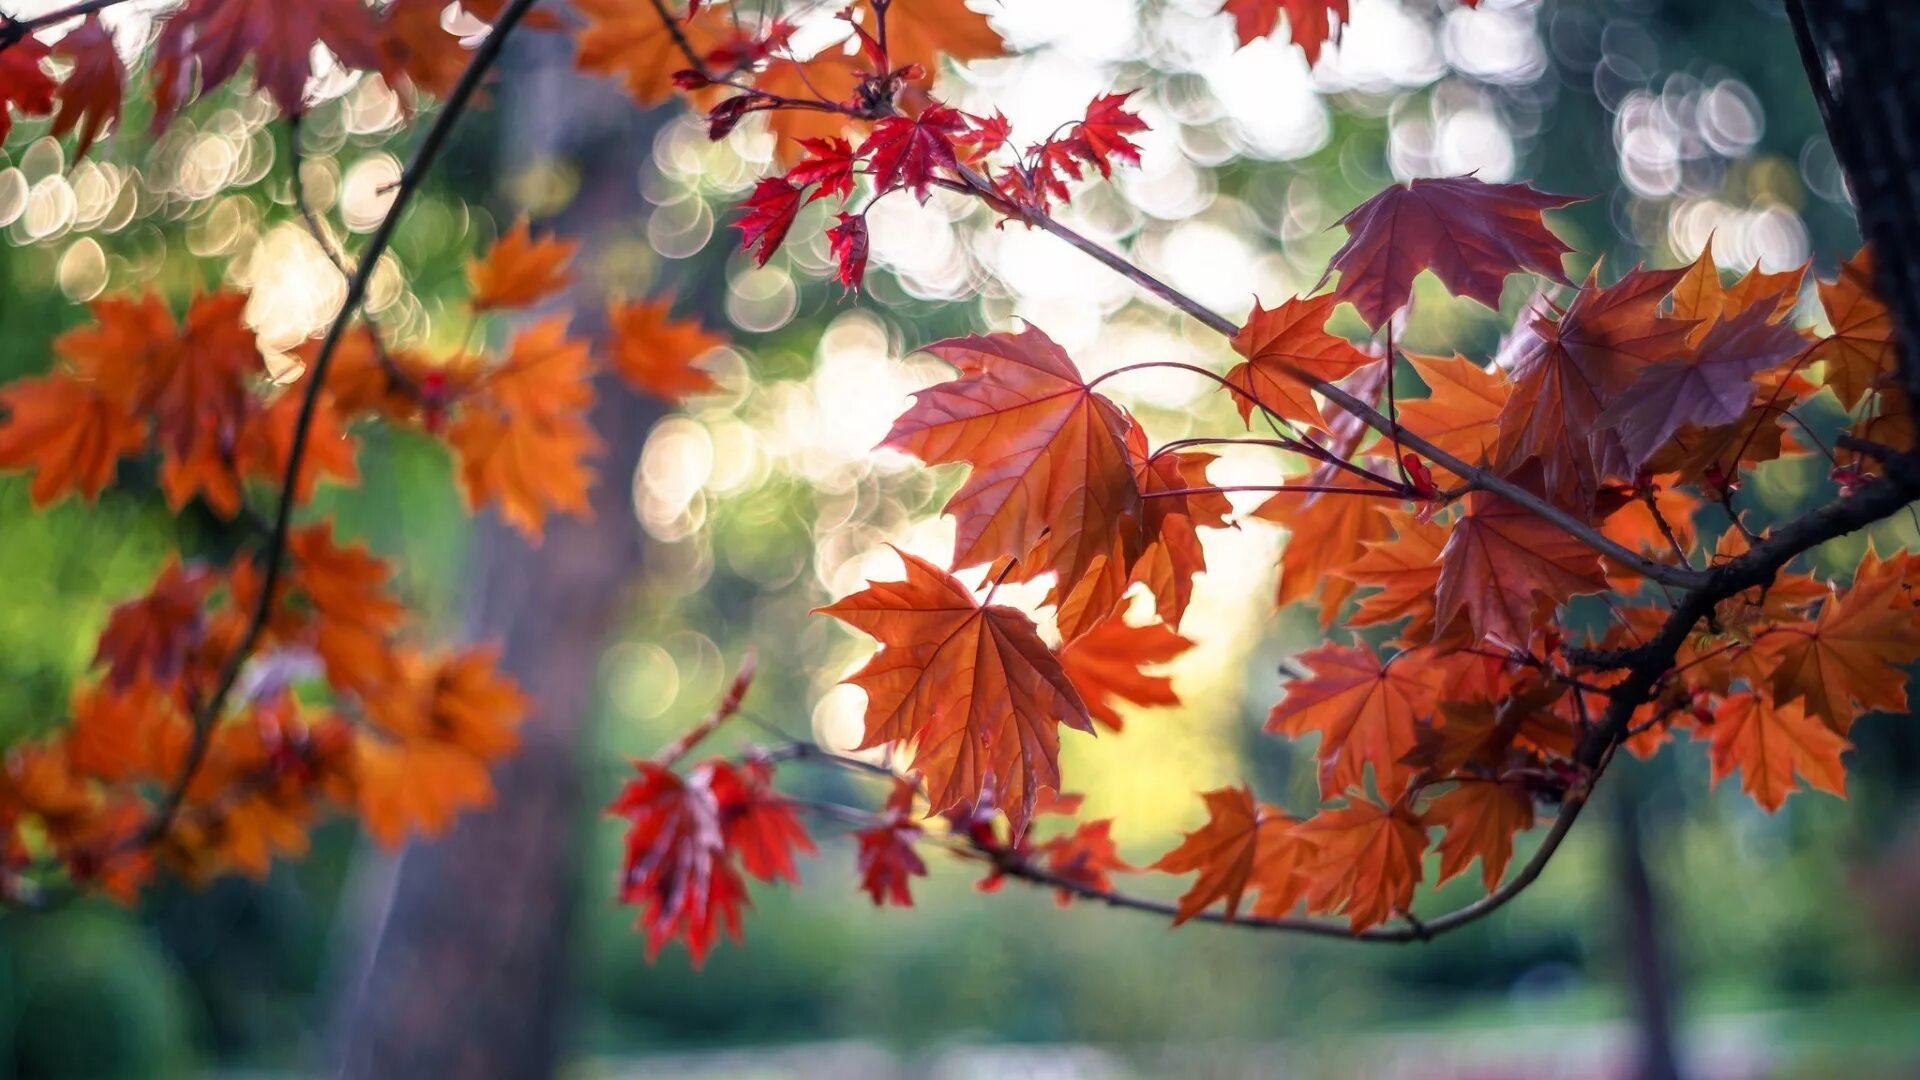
<point>676,869</point>
<point>770,211</point>
<point>906,151</point>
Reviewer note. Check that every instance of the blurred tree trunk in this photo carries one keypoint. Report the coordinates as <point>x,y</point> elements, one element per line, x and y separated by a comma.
<point>461,965</point>
<point>1642,929</point>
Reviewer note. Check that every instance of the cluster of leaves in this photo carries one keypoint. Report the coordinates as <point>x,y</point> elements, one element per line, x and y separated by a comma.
<point>1456,531</point>
<point>236,703</point>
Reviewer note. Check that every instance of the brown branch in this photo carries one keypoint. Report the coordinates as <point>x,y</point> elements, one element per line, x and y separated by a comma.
<point>273,558</point>
<point>13,30</point>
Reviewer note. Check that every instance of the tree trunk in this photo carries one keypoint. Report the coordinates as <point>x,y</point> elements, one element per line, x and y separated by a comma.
<point>1863,57</point>
<point>462,963</point>
<point>1649,978</point>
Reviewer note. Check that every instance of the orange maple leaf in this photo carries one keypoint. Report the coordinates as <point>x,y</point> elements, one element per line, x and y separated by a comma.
<point>655,352</point>
<point>1365,861</point>
<point>1481,819</point>
<point>1326,532</point>
<point>1859,354</point>
<point>70,433</point>
<point>1364,711</point>
<point>1405,570</point>
<point>921,31</point>
<point>415,786</point>
<point>1310,23</point>
<point>1286,346</point>
<point>1769,743</point>
<point>529,466</point>
<point>1244,845</point>
<point>519,271</point>
<point>1461,413</point>
<point>1846,660</point>
<point>1106,663</point>
<point>630,40</point>
<point>1502,563</point>
<point>975,691</point>
<point>1050,477</point>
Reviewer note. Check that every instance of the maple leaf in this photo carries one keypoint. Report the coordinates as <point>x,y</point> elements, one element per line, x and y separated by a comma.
<point>1481,820</point>
<point>1461,413</point>
<point>630,40</point>
<point>264,448</point>
<point>847,243</point>
<point>529,465</point>
<point>1859,354</point>
<point>676,868</point>
<point>1365,861</point>
<point>1086,857</point>
<point>1102,135</point>
<point>1712,386</point>
<point>1285,347</point>
<point>985,135</point>
<point>905,151</point>
<point>90,96</point>
<point>1167,568</point>
<point>1770,743</point>
<point>70,433</point>
<point>1406,570</point>
<point>1700,297</point>
<point>1244,844</point>
<point>921,31</point>
<point>1326,533</point>
<point>830,163</point>
<point>1696,454</point>
<point>769,213</point>
<point>415,785</point>
<point>1050,477</point>
<point>1470,233</point>
<point>1310,23</point>
<point>974,689</point>
<point>1502,561</point>
<point>519,271</point>
<point>655,352</point>
<point>24,83</point>
<point>417,53</point>
<point>221,34</point>
<point>1362,709</point>
<point>1105,665</point>
<point>1848,656</point>
<point>1568,371</point>
<point>761,829</point>
<point>888,863</point>
<point>149,638</point>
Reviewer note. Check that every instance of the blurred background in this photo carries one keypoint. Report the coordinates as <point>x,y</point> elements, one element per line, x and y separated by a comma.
<point>1763,946</point>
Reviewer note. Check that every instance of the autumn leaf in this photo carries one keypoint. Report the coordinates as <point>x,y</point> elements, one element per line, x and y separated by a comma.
<point>975,691</point>
<point>528,466</point>
<point>1461,413</point>
<point>1364,711</point>
<point>25,85</point>
<point>676,868</point>
<point>920,31</point>
<point>631,41</point>
<point>1859,354</point>
<point>1770,743</point>
<point>1168,566</point>
<point>1087,857</point>
<point>1102,136</point>
<point>90,96</point>
<point>1106,663</point>
<point>906,151</point>
<point>1365,861</point>
<point>1243,845</point>
<point>769,214</point>
<point>1846,660</point>
<point>415,786</point>
<point>1713,385</point>
<point>1327,532</point>
<point>1481,820</point>
<point>1285,347</point>
<point>220,35</point>
<point>519,271</point>
<point>1406,571</point>
<point>888,863</point>
<point>830,163</point>
<point>149,638</point>
<point>1050,477</point>
<point>1502,562</point>
<point>1310,23</point>
<point>69,433</point>
<point>1569,370</point>
<point>1470,233</point>
<point>655,352</point>
<point>761,829</point>
<point>847,243</point>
